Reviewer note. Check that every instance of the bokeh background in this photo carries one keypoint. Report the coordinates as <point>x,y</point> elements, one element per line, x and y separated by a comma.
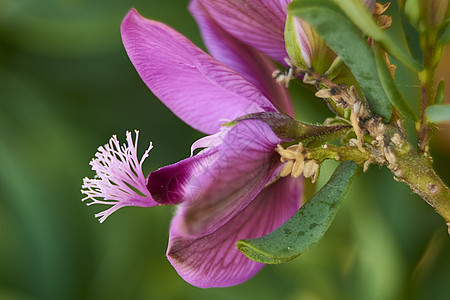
<point>66,85</point>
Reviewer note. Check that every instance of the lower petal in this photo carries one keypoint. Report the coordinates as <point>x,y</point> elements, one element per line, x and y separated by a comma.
<point>244,164</point>
<point>213,260</point>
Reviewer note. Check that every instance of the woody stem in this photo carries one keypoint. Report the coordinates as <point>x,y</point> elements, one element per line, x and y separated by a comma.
<point>432,55</point>
<point>417,172</point>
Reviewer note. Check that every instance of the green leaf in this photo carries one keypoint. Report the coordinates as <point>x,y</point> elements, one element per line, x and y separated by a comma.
<point>307,226</point>
<point>394,95</point>
<point>438,113</point>
<point>335,68</point>
<point>350,46</point>
<point>412,39</point>
<point>444,34</point>
<point>360,16</point>
<point>440,93</point>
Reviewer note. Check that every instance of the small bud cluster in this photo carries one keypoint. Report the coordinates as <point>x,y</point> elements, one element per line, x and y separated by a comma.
<point>296,163</point>
<point>377,131</point>
<point>362,120</point>
<point>384,148</point>
<point>348,98</point>
<point>343,96</point>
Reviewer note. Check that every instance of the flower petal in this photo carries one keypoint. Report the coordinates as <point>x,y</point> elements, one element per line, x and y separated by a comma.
<point>248,62</point>
<point>213,260</point>
<point>170,185</point>
<point>199,89</point>
<point>258,23</point>
<point>314,50</point>
<point>245,163</point>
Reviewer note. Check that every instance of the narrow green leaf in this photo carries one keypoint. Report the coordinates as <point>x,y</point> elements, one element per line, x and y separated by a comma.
<point>351,47</point>
<point>440,93</point>
<point>360,16</point>
<point>438,113</point>
<point>394,95</point>
<point>335,68</point>
<point>444,34</point>
<point>307,226</point>
<point>412,39</point>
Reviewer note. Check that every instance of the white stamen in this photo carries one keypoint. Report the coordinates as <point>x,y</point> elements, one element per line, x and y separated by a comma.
<point>210,141</point>
<point>119,180</point>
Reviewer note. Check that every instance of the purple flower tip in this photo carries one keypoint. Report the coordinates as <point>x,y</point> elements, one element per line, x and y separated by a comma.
<point>119,180</point>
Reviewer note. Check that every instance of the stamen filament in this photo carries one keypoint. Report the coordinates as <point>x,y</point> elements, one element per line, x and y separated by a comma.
<point>119,180</point>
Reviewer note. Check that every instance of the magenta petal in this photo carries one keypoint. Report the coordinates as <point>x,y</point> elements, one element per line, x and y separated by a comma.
<point>245,163</point>
<point>170,185</point>
<point>213,260</point>
<point>248,62</point>
<point>199,89</point>
<point>258,23</point>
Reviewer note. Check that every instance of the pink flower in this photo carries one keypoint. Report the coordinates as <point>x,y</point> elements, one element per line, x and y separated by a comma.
<point>229,191</point>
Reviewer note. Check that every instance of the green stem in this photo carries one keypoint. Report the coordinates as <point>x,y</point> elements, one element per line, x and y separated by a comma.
<point>432,55</point>
<point>417,172</point>
<point>338,153</point>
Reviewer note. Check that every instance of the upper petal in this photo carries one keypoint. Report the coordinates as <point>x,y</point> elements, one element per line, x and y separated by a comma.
<point>258,23</point>
<point>213,260</point>
<point>199,89</point>
<point>247,61</point>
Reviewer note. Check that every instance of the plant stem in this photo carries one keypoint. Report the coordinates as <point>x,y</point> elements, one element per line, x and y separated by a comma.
<point>338,153</point>
<point>417,172</point>
<point>432,55</point>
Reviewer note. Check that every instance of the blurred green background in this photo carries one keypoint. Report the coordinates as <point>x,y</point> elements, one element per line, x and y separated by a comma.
<point>66,85</point>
